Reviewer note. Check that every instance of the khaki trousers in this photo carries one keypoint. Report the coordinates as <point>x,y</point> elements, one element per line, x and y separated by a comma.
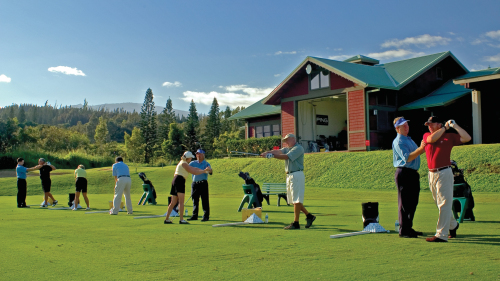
<point>122,186</point>
<point>441,186</point>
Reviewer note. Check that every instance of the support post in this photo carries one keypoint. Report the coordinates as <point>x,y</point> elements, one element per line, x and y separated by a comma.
<point>477,127</point>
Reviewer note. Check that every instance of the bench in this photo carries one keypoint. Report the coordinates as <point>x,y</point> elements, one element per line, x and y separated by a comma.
<point>274,189</point>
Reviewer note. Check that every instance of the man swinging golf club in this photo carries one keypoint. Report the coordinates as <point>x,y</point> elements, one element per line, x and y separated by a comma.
<point>293,155</point>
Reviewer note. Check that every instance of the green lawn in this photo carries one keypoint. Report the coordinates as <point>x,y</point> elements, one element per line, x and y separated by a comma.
<point>46,244</point>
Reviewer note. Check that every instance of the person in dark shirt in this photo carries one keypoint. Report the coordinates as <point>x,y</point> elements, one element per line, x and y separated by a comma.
<point>45,170</point>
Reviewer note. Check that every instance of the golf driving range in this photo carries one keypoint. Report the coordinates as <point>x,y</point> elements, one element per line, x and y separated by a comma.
<point>47,244</point>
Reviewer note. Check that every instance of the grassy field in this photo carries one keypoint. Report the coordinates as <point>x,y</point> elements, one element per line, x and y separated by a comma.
<point>46,244</point>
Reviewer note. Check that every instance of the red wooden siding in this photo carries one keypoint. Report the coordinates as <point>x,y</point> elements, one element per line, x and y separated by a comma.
<point>298,88</point>
<point>339,82</point>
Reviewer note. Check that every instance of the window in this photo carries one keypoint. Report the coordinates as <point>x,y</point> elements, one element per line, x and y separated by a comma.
<point>276,130</point>
<point>320,80</point>
<point>259,132</point>
<point>439,73</point>
<point>267,131</point>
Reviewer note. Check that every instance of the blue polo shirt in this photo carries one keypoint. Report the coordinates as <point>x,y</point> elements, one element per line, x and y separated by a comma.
<point>402,146</point>
<point>21,172</point>
<point>120,169</point>
<point>201,166</point>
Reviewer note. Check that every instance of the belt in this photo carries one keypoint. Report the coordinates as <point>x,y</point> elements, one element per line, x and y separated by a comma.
<point>196,182</point>
<point>438,169</point>
<point>124,176</point>
<point>294,172</point>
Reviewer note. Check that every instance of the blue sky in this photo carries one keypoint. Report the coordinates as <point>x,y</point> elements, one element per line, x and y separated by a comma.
<point>237,51</point>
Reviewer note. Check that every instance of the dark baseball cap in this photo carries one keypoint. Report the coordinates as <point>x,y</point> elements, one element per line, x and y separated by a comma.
<point>433,119</point>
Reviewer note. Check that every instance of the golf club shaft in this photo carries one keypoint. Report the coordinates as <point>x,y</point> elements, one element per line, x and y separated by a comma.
<point>245,153</point>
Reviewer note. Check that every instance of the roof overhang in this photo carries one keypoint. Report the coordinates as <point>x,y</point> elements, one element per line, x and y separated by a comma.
<point>476,79</point>
<point>273,97</point>
<point>443,96</point>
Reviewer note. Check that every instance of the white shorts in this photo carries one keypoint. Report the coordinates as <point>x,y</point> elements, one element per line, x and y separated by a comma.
<point>295,187</point>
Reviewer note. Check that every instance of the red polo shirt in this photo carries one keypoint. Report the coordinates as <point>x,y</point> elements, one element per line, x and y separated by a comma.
<point>438,153</point>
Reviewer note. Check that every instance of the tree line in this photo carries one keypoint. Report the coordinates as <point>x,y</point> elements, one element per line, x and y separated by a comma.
<point>144,137</point>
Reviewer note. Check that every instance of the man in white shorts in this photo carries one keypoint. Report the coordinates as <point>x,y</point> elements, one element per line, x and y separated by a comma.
<point>293,154</point>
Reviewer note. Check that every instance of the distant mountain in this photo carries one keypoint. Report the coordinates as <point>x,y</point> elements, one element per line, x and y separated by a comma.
<point>129,107</point>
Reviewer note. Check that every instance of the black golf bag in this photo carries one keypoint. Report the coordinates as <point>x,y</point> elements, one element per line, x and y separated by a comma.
<point>146,181</point>
<point>258,192</point>
<point>370,213</point>
<point>463,191</point>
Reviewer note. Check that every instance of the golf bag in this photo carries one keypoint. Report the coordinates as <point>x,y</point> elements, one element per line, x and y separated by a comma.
<point>258,192</point>
<point>146,181</point>
<point>464,191</point>
<point>370,213</point>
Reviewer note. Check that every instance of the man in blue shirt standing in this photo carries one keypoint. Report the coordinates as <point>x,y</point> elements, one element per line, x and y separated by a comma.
<point>406,160</point>
<point>199,187</point>
<point>21,182</point>
<point>123,183</point>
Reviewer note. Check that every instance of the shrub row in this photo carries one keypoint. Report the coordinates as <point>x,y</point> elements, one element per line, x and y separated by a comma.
<point>254,145</point>
<point>68,160</point>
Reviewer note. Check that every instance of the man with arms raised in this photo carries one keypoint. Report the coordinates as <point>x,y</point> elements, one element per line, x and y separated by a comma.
<point>406,160</point>
<point>45,169</point>
<point>438,150</point>
<point>293,155</point>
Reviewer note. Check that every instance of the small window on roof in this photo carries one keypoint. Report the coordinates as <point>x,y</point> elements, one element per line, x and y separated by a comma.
<point>439,73</point>
<point>320,80</point>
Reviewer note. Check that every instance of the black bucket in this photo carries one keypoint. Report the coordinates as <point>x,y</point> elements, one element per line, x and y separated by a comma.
<point>71,199</point>
<point>370,213</point>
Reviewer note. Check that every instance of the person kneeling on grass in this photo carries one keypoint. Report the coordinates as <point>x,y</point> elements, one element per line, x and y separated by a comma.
<point>81,186</point>
<point>45,170</point>
<point>178,190</point>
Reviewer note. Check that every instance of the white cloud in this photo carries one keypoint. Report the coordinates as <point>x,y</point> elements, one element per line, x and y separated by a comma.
<point>230,98</point>
<point>66,70</point>
<point>493,34</point>
<point>285,53</point>
<point>400,53</point>
<point>339,57</point>
<point>172,84</point>
<point>493,45</point>
<point>476,67</point>
<point>477,41</point>
<point>5,79</point>
<point>422,40</point>
<point>495,58</point>
<point>338,49</point>
<point>460,39</point>
<point>451,33</point>
<point>277,75</point>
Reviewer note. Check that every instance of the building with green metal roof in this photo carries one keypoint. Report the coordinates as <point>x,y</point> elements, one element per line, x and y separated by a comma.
<point>322,100</point>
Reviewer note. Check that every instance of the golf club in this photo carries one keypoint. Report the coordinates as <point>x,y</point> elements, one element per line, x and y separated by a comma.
<point>245,153</point>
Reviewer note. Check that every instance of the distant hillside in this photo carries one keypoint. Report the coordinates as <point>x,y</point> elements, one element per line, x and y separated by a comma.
<point>129,107</point>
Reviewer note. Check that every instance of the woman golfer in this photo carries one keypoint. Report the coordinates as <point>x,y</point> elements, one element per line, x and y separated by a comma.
<point>179,185</point>
<point>81,186</point>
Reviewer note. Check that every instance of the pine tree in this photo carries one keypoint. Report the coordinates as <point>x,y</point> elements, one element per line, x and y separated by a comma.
<point>191,128</point>
<point>21,117</point>
<point>225,123</point>
<point>213,125</point>
<point>166,117</point>
<point>148,124</point>
<point>34,116</point>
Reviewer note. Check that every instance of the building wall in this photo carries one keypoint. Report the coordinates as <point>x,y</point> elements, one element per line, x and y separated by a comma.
<point>339,82</point>
<point>356,120</point>
<point>300,87</point>
<point>288,118</point>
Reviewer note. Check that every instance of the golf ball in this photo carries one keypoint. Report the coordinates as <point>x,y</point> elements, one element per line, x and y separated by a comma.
<point>269,155</point>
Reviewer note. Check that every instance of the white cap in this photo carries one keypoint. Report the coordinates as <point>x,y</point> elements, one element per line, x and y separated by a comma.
<point>188,154</point>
